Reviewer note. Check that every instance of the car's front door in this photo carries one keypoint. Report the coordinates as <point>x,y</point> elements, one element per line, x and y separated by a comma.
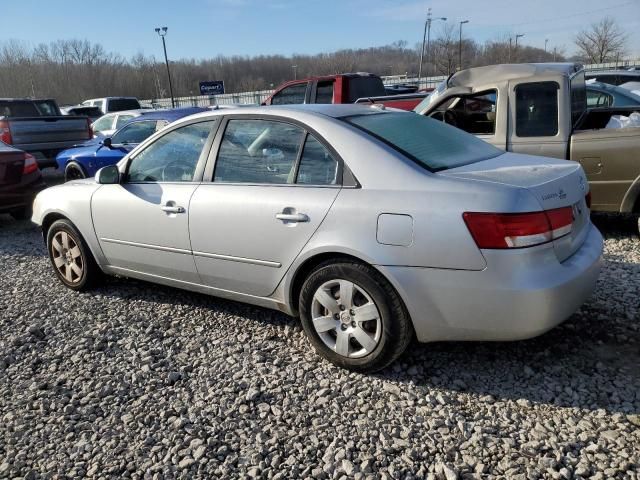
<point>272,186</point>
<point>143,222</point>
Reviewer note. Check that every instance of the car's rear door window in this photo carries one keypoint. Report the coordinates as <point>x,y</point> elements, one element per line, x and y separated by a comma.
<point>430,143</point>
<point>537,109</point>
<point>324,92</point>
<point>258,151</point>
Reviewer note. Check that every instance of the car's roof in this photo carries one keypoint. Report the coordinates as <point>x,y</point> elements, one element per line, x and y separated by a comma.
<point>170,115</point>
<point>108,98</point>
<point>317,109</point>
<point>471,77</point>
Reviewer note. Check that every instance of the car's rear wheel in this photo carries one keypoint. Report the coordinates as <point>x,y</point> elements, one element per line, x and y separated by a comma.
<point>353,316</point>
<point>73,171</point>
<point>71,258</point>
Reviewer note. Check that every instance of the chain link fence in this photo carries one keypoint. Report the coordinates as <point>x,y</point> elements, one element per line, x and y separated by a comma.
<point>257,97</point>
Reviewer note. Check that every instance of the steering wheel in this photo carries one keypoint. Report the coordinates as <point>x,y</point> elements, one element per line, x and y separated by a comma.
<point>176,170</point>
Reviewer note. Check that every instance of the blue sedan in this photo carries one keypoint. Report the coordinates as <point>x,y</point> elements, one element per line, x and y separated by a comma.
<point>85,160</point>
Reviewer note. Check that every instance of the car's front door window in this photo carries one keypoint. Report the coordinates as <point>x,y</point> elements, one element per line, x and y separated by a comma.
<point>172,157</point>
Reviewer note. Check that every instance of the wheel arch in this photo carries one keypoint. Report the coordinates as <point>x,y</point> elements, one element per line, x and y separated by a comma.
<point>631,201</point>
<point>51,217</point>
<point>312,261</point>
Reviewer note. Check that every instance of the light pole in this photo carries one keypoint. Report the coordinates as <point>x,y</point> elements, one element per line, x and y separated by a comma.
<point>162,32</point>
<point>460,45</point>
<point>546,40</point>
<point>295,71</point>
<point>427,35</point>
<point>518,35</point>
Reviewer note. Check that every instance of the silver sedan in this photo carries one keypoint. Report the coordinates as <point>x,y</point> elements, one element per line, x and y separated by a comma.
<point>374,226</point>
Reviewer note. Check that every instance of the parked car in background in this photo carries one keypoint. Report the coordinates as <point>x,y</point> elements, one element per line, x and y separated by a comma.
<point>93,113</point>
<point>604,95</point>
<point>319,210</point>
<point>20,181</point>
<point>400,89</point>
<point>541,109</point>
<point>613,77</point>
<point>83,161</point>
<point>106,125</point>
<point>343,88</point>
<point>37,126</point>
<point>114,104</point>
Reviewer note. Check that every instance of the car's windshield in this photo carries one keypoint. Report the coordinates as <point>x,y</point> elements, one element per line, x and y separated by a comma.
<point>432,144</point>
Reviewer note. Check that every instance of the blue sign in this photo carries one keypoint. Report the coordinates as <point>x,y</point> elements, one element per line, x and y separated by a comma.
<point>215,87</point>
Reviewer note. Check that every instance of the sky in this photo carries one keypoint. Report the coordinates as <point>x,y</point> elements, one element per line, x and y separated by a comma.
<point>207,28</point>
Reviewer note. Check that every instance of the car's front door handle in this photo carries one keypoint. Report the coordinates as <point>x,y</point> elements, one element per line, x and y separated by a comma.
<point>172,209</point>
<point>292,217</point>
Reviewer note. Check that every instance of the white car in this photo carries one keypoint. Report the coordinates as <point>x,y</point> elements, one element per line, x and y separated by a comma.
<point>114,104</point>
<point>108,124</point>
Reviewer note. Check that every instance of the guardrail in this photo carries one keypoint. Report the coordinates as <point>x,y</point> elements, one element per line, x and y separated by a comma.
<point>257,97</point>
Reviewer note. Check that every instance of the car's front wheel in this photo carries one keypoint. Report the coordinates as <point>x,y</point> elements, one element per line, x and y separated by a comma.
<point>353,316</point>
<point>71,258</point>
<point>73,171</point>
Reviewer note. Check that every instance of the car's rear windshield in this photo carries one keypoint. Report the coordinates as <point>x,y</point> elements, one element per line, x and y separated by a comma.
<point>430,143</point>
<point>363,87</point>
<point>120,104</point>
<point>18,108</point>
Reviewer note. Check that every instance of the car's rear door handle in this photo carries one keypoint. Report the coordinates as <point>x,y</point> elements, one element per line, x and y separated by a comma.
<point>292,217</point>
<point>172,209</point>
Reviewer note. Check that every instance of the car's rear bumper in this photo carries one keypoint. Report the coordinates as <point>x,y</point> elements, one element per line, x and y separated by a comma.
<point>13,197</point>
<point>521,293</point>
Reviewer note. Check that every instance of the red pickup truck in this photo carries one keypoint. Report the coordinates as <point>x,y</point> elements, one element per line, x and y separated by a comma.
<point>342,88</point>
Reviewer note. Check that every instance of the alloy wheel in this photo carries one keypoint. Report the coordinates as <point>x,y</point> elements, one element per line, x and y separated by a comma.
<point>67,257</point>
<point>346,318</point>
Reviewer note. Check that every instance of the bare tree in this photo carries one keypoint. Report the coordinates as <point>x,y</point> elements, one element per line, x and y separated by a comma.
<point>603,42</point>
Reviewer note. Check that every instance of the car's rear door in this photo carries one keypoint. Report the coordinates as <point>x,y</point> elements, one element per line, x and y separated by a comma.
<point>271,188</point>
<point>143,223</point>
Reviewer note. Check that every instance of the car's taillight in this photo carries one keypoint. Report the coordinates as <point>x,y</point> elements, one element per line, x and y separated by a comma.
<point>587,200</point>
<point>5,132</point>
<point>517,230</point>
<point>30,164</point>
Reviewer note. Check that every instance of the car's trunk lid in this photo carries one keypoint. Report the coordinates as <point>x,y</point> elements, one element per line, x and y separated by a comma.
<point>554,184</point>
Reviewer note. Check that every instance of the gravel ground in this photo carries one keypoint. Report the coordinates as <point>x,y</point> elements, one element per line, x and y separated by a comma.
<point>141,381</point>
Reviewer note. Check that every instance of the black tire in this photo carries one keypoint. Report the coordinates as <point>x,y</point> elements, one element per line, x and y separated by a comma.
<point>23,213</point>
<point>74,171</point>
<point>90,272</point>
<point>397,330</point>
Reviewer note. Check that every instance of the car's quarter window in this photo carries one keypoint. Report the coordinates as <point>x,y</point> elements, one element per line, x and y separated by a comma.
<point>172,157</point>
<point>324,92</point>
<point>428,142</point>
<point>135,132</point>
<point>258,151</point>
<point>292,95</point>
<point>317,165</point>
<point>472,113</point>
<point>537,109</point>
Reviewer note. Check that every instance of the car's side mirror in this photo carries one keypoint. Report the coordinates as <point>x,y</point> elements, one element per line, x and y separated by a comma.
<point>107,142</point>
<point>108,175</point>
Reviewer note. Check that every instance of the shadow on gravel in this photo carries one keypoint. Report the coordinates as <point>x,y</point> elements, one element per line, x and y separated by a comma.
<point>617,225</point>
